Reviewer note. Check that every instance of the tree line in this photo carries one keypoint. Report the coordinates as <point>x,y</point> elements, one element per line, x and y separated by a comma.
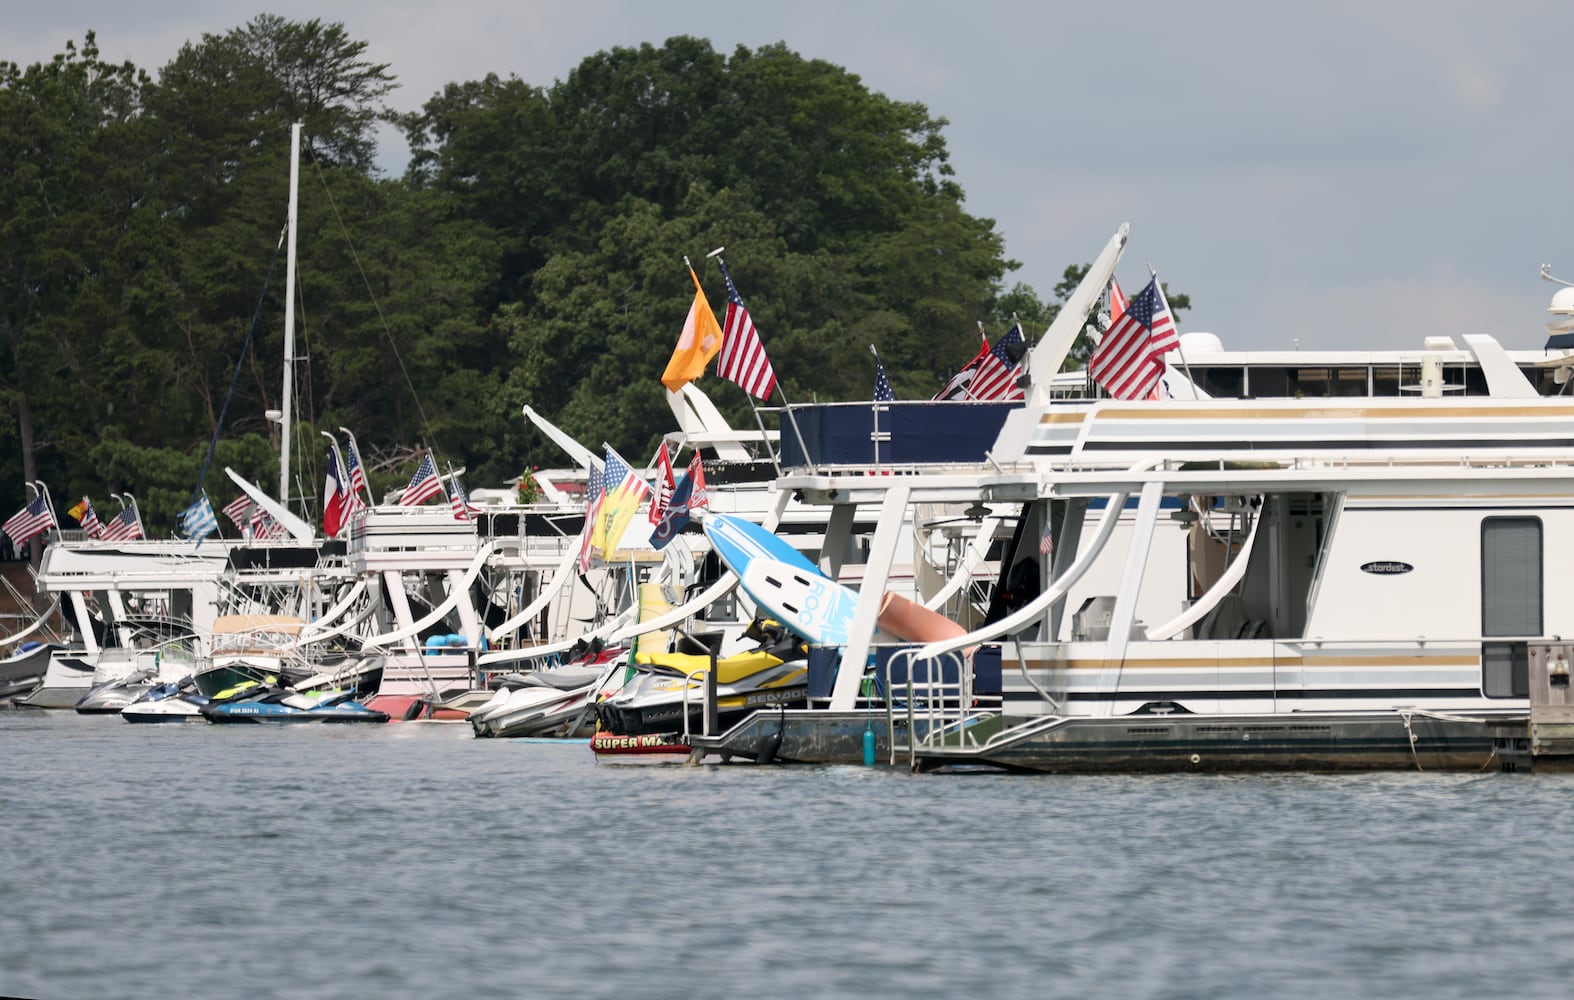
<point>531,252</point>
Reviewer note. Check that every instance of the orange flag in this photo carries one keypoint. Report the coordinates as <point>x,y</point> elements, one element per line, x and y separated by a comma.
<point>700,341</point>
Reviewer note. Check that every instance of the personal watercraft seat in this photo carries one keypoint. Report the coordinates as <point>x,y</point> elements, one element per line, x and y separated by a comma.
<point>731,670</point>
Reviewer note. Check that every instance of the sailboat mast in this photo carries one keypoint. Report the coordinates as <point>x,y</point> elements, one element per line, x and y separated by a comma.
<point>286,425</point>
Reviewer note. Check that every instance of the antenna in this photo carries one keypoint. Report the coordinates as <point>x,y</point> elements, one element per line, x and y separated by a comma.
<point>1546,275</point>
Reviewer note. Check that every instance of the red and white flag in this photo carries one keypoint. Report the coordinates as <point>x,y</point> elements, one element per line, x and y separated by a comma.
<point>235,510</point>
<point>997,373</point>
<point>1128,361</point>
<point>743,357</point>
<point>32,520</point>
<point>698,499</point>
<point>665,482</point>
<point>423,485</point>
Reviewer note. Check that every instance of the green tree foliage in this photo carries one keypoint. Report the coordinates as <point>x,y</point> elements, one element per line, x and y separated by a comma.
<point>843,223</point>
<point>532,253</point>
<point>68,237</point>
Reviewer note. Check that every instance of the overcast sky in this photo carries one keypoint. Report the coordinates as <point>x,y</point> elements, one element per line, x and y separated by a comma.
<point>1337,174</point>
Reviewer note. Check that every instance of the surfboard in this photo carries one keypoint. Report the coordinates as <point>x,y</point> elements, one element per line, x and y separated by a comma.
<point>739,542</point>
<point>798,596</point>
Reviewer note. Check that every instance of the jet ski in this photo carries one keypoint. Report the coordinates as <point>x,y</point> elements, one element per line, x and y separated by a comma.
<point>112,696</point>
<point>667,692</point>
<point>553,702</point>
<point>174,702</point>
<point>260,702</point>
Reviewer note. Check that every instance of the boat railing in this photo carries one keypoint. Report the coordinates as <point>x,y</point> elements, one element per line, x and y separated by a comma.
<point>934,697</point>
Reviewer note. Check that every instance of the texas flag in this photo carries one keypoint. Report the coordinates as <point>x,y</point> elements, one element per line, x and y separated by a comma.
<point>336,498</point>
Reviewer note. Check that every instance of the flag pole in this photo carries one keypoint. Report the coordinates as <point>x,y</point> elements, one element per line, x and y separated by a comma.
<point>786,404</point>
<point>1025,379</point>
<point>136,512</point>
<point>874,409</point>
<point>356,449</point>
<point>49,503</point>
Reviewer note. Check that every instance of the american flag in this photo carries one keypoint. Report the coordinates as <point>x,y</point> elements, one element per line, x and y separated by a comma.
<point>123,527</point>
<point>29,522</point>
<point>264,528</point>
<point>353,504</point>
<point>698,497</point>
<point>1046,542</point>
<point>358,483</point>
<point>235,510</point>
<point>1127,361</point>
<point>459,500</point>
<point>743,357</point>
<point>998,370</point>
<point>882,385</point>
<point>593,495</point>
<point>423,485</point>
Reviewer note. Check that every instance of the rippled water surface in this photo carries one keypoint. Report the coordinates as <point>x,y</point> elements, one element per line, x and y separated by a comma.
<point>413,860</point>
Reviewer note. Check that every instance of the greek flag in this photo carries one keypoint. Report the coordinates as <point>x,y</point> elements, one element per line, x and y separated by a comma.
<point>197,521</point>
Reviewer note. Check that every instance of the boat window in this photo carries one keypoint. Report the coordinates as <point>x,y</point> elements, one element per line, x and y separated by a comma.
<point>1511,596</point>
<point>1269,382</point>
<point>1319,382</point>
<point>1220,381</point>
<point>1387,379</point>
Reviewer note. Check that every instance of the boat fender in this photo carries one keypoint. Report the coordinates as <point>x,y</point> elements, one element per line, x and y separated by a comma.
<point>413,710</point>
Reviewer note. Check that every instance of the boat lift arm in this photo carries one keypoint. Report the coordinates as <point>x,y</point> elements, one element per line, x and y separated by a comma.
<point>972,561</point>
<point>38,623</point>
<point>462,589</point>
<point>1057,589</point>
<point>324,626</point>
<point>1057,341</point>
<point>298,529</point>
<point>1209,600</point>
<point>582,456</point>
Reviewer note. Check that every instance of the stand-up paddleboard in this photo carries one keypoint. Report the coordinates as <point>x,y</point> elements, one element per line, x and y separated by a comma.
<point>738,542</point>
<point>812,605</point>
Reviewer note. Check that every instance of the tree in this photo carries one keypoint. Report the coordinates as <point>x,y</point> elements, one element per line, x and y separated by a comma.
<point>66,240</point>
<point>835,201</point>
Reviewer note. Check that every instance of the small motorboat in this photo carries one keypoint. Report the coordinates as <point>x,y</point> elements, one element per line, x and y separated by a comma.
<point>23,669</point>
<point>649,748</point>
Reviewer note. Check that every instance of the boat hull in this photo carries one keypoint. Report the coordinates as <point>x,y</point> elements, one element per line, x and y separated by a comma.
<point>1224,743</point>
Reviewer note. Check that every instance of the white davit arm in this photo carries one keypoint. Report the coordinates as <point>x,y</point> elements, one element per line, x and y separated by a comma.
<point>297,528</point>
<point>582,456</point>
<point>1057,341</point>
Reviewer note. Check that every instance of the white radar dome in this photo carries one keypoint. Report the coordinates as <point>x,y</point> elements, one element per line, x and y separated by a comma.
<point>1562,311</point>
<point>1205,343</point>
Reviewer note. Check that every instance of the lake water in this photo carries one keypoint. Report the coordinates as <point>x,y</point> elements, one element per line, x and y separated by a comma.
<point>413,860</point>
